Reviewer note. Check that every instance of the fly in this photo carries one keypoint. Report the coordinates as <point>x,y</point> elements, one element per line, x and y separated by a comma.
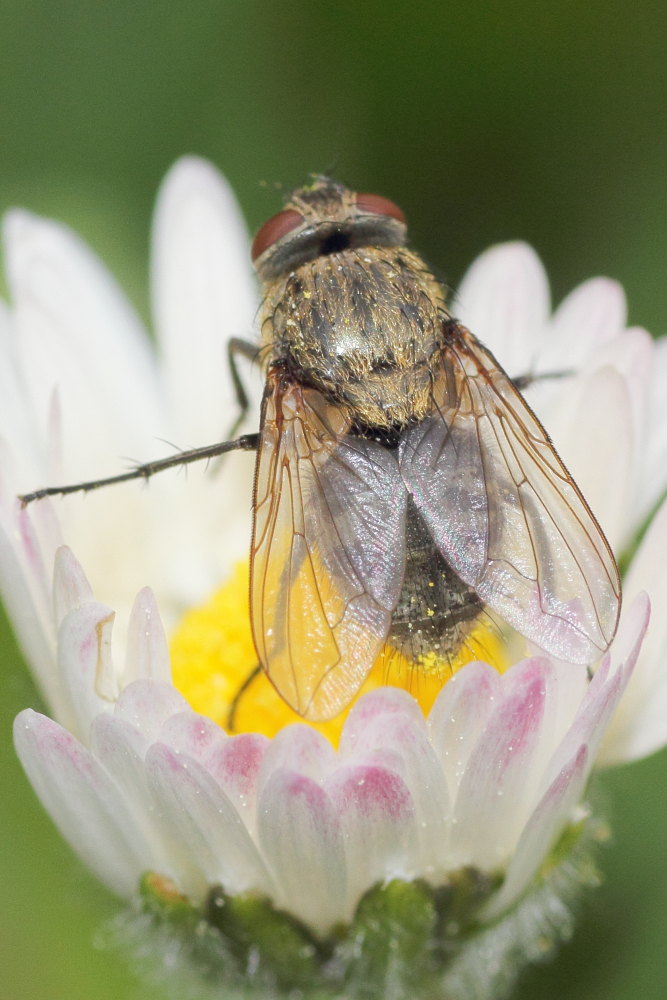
<point>402,482</point>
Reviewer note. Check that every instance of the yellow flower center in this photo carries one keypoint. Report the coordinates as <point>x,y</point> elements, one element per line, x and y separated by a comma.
<point>215,667</point>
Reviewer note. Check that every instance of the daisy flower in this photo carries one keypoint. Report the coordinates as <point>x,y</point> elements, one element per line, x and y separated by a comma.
<point>424,845</point>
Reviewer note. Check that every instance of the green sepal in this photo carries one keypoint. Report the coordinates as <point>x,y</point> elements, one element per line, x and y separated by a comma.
<point>406,939</point>
<point>389,944</point>
<point>160,898</point>
<point>263,936</point>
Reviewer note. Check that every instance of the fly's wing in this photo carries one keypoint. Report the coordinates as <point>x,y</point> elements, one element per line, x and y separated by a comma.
<point>328,550</point>
<point>505,512</point>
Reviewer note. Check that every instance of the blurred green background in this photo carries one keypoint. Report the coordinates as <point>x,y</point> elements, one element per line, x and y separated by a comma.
<point>485,122</point>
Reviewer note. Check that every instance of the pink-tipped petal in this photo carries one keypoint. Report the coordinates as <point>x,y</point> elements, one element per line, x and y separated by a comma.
<point>300,748</point>
<point>108,733</point>
<point>602,696</point>
<point>147,705</point>
<point>381,703</point>
<point>41,536</point>
<point>83,801</point>
<point>459,716</point>
<point>639,725</point>
<point>377,818</point>
<point>541,832</point>
<point>504,300</point>
<point>31,619</point>
<point>192,734</point>
<point>399,740</point>
<point>236,764</point>
<point>204,835</point>
<point>496,790</point>
<point>300,836</point>
<point>36,563</point>
<point>147,653</point>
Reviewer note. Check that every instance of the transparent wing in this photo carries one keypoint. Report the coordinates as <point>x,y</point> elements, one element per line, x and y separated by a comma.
<point>328,551</point>
<point>505,512</point>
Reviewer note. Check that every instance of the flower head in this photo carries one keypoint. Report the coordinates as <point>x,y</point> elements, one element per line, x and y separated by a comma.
<point>431,824</point>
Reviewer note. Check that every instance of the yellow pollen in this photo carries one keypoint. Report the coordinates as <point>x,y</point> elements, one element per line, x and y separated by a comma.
<point>213,657</point>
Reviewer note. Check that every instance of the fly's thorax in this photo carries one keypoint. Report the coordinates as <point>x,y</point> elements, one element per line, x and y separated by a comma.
<point>362,325</point>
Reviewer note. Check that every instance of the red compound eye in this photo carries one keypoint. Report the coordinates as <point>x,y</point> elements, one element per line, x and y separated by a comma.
<point>277,226</point>
<point>375,204</point>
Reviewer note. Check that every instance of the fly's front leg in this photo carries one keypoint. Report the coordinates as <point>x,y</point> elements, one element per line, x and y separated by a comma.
<point>247,442</point>
<point>243,348</point>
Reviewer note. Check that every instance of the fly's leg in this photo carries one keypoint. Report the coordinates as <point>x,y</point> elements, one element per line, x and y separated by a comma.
<point>234,707</point>
<point>240,348</point>
<point>524,381</point>
<point>247,442</point>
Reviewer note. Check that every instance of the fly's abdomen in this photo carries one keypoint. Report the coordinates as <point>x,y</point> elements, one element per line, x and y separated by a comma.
<point>436,611</point>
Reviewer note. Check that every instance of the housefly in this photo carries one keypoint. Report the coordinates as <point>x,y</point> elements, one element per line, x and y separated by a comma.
<point>402,483</point>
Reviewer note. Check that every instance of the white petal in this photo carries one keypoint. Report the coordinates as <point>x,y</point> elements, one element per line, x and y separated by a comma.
<point>25,594</point>
<point>147,653</point>
<point>209,843</point>
<point>632,353</point>
<point>16,420</point>
<point>77,331</point>
<point>85,665</point>
<point>653,481</point>
<point>504,300</point>
<point>593,434</point>
<point>203,294</point>
<point>301,838</point>
<point>71,589</point>
<point>592,314</point>
<point>640,724</point>
<point>83,801</point>
<point>121,749</point>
